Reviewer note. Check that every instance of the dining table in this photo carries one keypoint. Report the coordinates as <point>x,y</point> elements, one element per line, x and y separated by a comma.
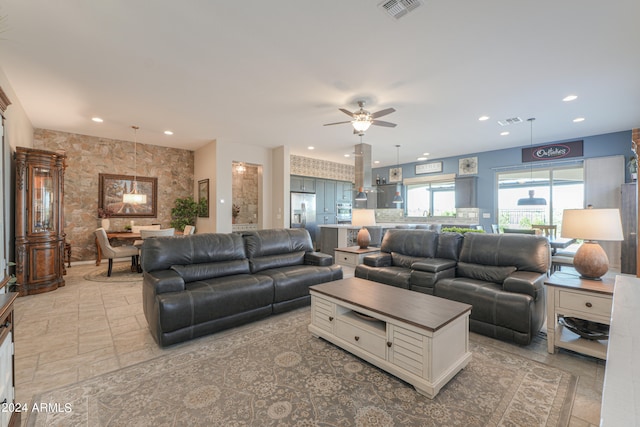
<point>560,243</point>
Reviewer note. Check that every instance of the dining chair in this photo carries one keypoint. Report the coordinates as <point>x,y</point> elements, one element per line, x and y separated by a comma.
<point>145,234</point>
<point>112,252</point>
<point>189,229</point>
<point>546,230</point>
<point>138,228</point>
<point>495,229</point>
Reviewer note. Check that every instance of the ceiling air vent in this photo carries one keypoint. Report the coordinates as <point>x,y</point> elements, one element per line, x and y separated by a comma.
<point>510,121</point>
<point>399,8</point>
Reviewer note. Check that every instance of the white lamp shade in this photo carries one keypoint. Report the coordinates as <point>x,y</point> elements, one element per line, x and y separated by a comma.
<point>362,217</point>
<point>592,224</point>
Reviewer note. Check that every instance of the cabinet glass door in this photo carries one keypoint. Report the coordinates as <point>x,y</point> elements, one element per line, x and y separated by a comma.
<point>42,198</point>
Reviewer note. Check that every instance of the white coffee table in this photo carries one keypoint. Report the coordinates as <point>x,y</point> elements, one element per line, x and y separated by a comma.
<point>419,338</point>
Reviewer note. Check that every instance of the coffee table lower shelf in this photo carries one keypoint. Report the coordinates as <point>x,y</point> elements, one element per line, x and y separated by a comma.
<point>426,359</point>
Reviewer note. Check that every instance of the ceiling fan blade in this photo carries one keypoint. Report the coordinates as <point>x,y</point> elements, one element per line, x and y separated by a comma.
<point>347,112</point>
<point>385,124</point>
<point>382,112</point>
<point>336,123</point>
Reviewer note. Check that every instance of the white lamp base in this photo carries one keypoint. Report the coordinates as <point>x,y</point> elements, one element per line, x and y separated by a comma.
<point>364,238</point>
<point>591,261</point>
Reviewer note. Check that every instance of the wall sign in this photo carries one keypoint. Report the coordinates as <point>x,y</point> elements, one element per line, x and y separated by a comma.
<point>552,151</point>
<point>429,168</point>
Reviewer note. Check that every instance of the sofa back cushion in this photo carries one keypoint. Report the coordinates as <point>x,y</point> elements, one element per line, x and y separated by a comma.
<point>412,243</point>
<point>524,252</point>
<point>162,253</point>
<point>486,273</point>
<point>276,248</point>
<point>449,245</point>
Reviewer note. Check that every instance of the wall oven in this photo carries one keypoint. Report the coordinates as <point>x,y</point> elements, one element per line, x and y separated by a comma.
<point>343,213</point>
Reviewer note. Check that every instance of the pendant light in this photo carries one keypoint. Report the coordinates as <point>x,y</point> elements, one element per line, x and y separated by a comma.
<point>133,198</point>
<point>397,199</point>
<point>531,200</point>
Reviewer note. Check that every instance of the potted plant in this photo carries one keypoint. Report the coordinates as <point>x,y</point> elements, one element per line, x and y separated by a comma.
<point>186,211</point>
<point>632,165</point>
<point>235,211</point>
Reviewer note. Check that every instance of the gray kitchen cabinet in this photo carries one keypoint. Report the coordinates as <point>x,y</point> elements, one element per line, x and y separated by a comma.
<point>466,192</point>
<point>303,184</point>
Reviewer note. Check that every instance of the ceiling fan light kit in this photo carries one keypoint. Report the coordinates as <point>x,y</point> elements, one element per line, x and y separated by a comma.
<point>363,119</point>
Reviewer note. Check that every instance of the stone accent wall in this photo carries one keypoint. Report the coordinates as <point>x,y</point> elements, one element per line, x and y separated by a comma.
<point>245,193</point>
<point>306,166</point>
<point>88,156</point>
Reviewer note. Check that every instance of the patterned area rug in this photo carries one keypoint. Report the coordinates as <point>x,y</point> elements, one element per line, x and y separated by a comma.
<point>274,373</point>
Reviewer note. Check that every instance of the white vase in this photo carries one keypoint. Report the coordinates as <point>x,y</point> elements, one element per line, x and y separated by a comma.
<point>106,223</point>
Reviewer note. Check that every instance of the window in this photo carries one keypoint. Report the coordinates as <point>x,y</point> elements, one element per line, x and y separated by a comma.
<point>437,198</point>
<point>561,187</point>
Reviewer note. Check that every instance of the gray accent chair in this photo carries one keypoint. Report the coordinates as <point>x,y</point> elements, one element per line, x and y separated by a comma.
<point>112,252</point>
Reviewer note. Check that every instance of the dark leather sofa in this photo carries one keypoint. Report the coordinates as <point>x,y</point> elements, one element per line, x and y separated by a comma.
<point>199,284</point>
<point>500,275</point>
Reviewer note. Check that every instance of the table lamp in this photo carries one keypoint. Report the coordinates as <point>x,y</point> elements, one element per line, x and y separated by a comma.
<point>363,217</point>
<point>591,225</point>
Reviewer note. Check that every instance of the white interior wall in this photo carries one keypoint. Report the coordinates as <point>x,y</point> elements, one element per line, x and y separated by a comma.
<point>214,161</point>
<point>204,160</point>
<point>604,177</point>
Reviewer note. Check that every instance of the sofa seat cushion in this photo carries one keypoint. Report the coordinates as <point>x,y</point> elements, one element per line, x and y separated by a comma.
<point>206,300</point>
<point>490,303</point>
<point>394,276</point>
<point>433,265</point>
<point>293,281</point>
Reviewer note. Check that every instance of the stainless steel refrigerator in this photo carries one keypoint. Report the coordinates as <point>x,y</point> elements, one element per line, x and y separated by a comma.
<point>303,213</point>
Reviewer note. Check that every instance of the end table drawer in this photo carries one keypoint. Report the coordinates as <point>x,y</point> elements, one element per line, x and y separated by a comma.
<point>347,258</point>
<point>586,303</point>
<point>366,340</point>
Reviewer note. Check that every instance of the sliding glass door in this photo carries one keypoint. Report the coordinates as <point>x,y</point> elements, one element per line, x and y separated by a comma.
<point>560,188</point>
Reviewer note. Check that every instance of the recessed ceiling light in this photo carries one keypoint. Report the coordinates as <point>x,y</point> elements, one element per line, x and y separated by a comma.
<point>377,162</point>
<point>483,118</point>
<point>425,154</point>
<point>97,119</point>
<point>168,132</point>
<point>347,155</point>
<point>311,147</point>
<point>504,133</point>
<point>570,98</point>
<point>578,120</point>
<point>421,159</point>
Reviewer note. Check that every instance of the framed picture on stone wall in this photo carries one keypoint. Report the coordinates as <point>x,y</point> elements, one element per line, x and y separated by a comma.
<point>203,194</point>
<point>128,196</point>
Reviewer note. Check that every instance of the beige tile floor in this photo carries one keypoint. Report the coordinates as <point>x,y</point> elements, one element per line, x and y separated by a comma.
<point>88,328</point>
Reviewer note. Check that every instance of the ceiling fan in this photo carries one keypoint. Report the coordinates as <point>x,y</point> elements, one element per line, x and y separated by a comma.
<point>362,119</point>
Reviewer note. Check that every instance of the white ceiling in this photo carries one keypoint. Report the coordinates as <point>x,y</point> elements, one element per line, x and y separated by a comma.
<point>270,74</point>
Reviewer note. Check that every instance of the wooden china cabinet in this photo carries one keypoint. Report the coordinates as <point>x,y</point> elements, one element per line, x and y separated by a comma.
<point>39,220</point>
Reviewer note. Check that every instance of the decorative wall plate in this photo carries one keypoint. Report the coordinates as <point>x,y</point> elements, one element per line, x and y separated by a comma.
<point>468,166</point>
<point>395,175</point>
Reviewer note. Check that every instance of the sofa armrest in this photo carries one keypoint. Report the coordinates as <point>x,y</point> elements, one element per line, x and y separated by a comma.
<point>377,260</point>
<point>526,282</point>
<point>434,265</point>
<point>318,258</point>
<point>163,281</point>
